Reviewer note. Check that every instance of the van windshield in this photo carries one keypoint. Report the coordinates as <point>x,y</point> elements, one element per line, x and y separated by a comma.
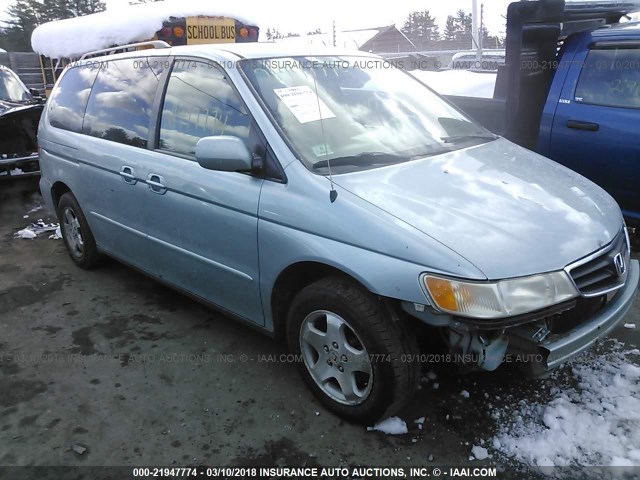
<point>354,113</point>
<point>12,89</point>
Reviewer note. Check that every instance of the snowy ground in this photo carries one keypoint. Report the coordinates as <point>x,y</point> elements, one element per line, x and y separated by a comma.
<point>591,416</point>
<point>585,415</point>
<point>39,227</point>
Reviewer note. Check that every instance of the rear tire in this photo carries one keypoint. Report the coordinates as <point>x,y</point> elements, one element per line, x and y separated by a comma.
<point>356,359</point>
<point>76,233</point>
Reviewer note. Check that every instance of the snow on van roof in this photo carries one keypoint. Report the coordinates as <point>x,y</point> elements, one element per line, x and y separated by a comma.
<point>73,37</point>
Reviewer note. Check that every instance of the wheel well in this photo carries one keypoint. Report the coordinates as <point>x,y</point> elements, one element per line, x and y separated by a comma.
<point>290,282</point>
<point>57,190</point>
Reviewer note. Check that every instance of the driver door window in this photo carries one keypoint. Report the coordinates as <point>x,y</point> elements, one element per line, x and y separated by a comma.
<point>200,102</point>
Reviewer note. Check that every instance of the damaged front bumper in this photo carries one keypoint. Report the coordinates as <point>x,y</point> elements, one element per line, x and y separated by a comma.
<point>557,349</point>
<point>537,342</point>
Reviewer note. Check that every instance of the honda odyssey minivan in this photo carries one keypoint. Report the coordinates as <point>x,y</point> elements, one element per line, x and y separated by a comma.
<point>335,202</point>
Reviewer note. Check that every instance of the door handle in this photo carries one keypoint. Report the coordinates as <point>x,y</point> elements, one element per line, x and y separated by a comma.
<point>156,184</point>
<point>579,125</point>
<point>128,175</point>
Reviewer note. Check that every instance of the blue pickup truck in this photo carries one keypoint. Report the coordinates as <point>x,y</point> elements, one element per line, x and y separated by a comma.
<point>570,90</point>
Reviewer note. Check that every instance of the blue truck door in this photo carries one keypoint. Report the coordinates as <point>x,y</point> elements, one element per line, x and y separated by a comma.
<point>595,129</point>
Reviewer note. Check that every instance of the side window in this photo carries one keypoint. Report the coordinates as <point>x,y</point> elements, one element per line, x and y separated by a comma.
<point>611,77</point>
<point>69,100</point>
<point>200,102</point>
<point>121,101</point>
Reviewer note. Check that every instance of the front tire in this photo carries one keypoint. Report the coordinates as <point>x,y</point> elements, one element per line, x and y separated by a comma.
<point>356,359</point>
<point>76,233</point>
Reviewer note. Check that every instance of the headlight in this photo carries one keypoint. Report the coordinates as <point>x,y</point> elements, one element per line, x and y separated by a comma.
<point>506,298</point>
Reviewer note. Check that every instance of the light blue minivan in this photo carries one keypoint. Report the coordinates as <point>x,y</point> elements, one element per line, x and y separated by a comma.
<point>332,200</point>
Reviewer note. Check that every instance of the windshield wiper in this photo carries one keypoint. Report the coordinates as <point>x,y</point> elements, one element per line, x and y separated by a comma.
<point>461,138</point>
<point>362,159</point>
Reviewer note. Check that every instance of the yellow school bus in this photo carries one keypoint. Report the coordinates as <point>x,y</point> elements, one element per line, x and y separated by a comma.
<point>173,22</point>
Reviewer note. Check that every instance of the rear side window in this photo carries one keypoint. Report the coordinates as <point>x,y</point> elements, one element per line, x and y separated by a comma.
<point>200,102</point>
<point>119,108</point>
<point>69,99</point>
<point>611,77</point>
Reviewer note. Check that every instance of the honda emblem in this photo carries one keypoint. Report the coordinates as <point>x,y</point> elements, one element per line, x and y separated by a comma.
<point>621,267</point>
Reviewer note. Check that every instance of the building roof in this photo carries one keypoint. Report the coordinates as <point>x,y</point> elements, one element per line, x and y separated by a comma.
<point>347,39</point>
<point>378,39</point>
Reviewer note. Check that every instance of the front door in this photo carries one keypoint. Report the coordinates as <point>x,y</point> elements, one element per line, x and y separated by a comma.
<point>595,130</point>
<point>203,224</point>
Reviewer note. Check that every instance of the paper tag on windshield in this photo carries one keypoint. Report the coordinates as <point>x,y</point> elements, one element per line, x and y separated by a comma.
<point>322,150</point>
<point>303,104</point>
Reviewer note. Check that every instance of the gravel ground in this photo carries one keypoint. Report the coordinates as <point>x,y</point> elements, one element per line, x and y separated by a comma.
<point>111,368</point>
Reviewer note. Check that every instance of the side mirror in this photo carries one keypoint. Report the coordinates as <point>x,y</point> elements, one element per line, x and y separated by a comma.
<point>224,153</point>
<point>36,95</point>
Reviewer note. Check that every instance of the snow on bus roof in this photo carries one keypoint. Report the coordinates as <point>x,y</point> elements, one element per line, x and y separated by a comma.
<point>74,37</point>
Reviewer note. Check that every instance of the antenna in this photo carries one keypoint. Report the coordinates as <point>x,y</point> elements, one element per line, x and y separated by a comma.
<point>333,194</point>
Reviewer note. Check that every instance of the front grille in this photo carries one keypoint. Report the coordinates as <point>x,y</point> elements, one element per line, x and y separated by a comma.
<point>603,272</point>
<point>585,309</point>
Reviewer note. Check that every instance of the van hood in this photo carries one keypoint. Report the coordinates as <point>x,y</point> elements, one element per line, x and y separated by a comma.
<point>507,210</point>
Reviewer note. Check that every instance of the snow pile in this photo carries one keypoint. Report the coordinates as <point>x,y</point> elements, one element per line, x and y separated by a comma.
<point>593,419</point>
<point>121,25</point>
<point>462,83</point>
<point>13,172</point>
<point>38,228</point>
<point>390,426</point>
<point>480,453</point>
<point>26,234</point>
<point>57,235</point>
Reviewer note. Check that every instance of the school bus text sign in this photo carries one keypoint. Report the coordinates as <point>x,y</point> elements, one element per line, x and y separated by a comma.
<point>202,30</point>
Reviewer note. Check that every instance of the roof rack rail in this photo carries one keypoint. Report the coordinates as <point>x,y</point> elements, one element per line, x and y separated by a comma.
<point>106,51</point>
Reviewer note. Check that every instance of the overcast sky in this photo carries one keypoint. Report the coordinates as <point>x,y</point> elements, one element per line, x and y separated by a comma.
<point>302,17</point>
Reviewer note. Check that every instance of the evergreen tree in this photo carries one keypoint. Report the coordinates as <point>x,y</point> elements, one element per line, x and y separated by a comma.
<point>78,8</point>
<point>26,15</point>
<point>450,30</point>
<point>464,25</point>
<point>421,28</point>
